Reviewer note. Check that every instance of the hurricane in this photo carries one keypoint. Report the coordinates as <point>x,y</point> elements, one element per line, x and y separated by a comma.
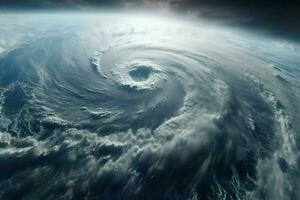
<point>122,106</point>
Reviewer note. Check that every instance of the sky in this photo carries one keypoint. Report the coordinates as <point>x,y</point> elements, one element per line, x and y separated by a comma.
<point>278,17</point>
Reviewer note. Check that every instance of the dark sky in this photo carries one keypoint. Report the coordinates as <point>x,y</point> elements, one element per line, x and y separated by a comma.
<point>279,17</point>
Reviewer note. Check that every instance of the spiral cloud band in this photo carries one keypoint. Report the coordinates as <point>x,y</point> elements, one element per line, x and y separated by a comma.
<point>114,106</point>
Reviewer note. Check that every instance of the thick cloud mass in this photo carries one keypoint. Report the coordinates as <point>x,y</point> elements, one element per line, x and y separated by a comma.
<point>129,107</point>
